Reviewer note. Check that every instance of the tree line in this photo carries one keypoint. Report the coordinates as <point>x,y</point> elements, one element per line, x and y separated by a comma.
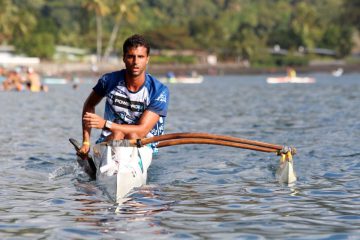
<point>231,29</point>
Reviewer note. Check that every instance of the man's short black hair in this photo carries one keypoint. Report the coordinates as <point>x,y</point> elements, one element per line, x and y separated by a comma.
<point>136,40</point>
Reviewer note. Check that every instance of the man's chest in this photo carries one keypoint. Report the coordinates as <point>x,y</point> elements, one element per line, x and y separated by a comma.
<point>121,99</point>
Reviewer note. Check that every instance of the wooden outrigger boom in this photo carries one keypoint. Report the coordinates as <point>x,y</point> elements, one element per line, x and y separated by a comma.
<point>285,172</point>
<point>207,138</point>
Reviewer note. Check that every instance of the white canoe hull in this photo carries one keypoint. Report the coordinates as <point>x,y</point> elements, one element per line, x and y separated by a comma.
<point>121,169</point>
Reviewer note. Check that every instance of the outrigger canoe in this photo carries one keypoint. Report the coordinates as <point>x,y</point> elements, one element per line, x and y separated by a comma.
<point>119,166</point>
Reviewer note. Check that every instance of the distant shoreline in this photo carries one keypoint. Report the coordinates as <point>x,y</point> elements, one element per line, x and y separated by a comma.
<point>88,70</point>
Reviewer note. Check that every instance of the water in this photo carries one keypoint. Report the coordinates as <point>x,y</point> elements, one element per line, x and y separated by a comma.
<point>194,191</point>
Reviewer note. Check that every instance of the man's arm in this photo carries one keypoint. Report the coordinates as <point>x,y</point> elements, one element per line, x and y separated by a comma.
<point>120,131</point>
<point>89,106</point>
<point>146,122</point>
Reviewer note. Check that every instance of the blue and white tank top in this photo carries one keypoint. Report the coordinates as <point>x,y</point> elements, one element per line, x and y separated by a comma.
<point>126,107</point>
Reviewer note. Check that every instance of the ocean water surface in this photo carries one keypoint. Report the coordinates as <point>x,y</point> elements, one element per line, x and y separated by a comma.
<point>193,191</point>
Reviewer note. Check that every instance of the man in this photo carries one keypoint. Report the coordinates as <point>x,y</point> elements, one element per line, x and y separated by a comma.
<point>291,73</point>
<point>136,102</point>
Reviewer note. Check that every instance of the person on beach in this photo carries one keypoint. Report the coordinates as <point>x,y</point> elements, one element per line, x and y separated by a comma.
<point>13,81</point>
<point>291,73</point>
<point>136,102</point>
<point>33,80</point>
<point>2,77</point>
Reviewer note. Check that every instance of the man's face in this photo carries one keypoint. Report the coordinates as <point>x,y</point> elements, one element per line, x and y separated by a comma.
<point>136,60</point>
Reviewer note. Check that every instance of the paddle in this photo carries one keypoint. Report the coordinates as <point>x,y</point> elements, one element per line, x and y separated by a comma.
<point>87,164</point>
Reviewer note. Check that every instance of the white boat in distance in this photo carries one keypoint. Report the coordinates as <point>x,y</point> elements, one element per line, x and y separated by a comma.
<point>54,80</point>
<point>183,79</point>
<point>275,80</point>
<point>338,72</point>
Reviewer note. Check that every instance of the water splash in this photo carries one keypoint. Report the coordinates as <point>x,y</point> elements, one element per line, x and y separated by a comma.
<point>63,171</point>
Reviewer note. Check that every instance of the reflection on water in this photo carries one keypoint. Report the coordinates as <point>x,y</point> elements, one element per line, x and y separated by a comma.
<point>194,191</point>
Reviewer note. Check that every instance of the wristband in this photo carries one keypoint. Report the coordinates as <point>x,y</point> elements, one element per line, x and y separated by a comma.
<point>86,143</point>
<point>108,124</point>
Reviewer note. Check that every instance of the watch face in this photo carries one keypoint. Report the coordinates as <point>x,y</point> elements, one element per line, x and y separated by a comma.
<point>108,124</point>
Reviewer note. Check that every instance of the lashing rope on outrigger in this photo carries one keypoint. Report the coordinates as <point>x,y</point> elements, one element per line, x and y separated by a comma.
<point>286,153</point>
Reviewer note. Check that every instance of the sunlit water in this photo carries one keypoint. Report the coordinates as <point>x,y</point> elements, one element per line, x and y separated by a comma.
<point>193,191</point>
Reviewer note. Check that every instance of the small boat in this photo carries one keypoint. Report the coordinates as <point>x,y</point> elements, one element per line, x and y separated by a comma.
<point>54,80</point>
<point>338,72</point>
<point>195,79</point>
<point>275,80</point>
<point>183,79</point>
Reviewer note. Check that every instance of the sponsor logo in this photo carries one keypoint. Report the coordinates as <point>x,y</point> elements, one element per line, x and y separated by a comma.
<point>123,102</point>
<point>161,97</point>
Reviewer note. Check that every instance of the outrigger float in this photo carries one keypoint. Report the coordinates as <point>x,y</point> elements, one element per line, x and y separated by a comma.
<point>121,165</point>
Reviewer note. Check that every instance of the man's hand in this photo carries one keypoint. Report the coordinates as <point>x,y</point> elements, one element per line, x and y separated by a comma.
<point>92,120</point>
<point>83,151</point>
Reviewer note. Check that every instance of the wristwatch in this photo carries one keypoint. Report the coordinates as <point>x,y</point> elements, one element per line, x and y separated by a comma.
<point>108,124</point>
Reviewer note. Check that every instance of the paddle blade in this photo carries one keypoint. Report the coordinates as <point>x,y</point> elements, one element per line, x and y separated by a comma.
<point>75,143</point>
<point>88,163</point>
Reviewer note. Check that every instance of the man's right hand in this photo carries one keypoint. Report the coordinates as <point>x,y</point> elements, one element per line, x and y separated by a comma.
<point>83,151</point>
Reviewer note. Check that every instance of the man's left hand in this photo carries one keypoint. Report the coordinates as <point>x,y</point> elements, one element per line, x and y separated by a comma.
<point>93,121</point>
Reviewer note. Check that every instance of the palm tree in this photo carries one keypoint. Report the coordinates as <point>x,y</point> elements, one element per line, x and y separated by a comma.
<point>101,9</point>
<point>5,21</point>
<point>14,20</point>
<point>125,10</point>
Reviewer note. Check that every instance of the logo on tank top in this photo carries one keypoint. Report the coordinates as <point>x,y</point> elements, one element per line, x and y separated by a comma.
<point>161,97</point>
<point>126,103</point>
